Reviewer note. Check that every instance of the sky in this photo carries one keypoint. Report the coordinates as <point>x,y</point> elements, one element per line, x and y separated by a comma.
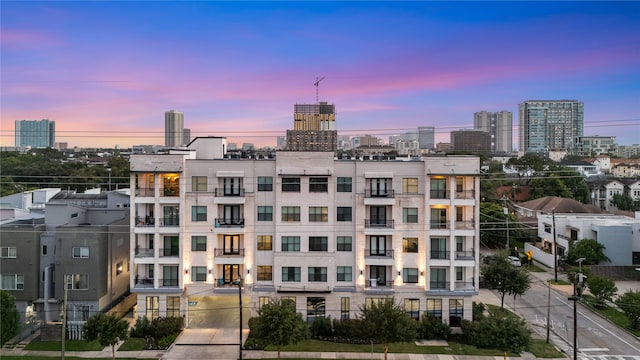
<point>106,71</point>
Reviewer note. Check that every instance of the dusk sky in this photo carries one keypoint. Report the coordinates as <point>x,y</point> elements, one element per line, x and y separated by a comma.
<point>107,71</point>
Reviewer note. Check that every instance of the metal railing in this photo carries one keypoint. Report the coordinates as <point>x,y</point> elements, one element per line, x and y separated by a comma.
<point>170,221</point>
<point>464,285</point>
<point>465,225</point>
<point>375,283</point>
<point>171,191</point>
<point>145,192</point>
<point>372,193</point>
<point>439,194</point>
<point>378,253</point>
<point>143,252</point>
<point>439,224</point>
<point>145,221</point>
<point>143,281</point>
<point>465,255</point>
<point>226,222</point>
<point>439,254</point>
<point>465,194</point>
<point>168,282</point>
<point>170,252</point>
<point>369,223</point>
<point>229,252</point>
<point>439,285</point>
<point>235,192</point>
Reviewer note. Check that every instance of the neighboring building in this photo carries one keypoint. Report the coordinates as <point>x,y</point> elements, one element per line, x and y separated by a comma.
<point>186,136</point>
<point>595,145</point>
<point>628,151</point>
<point>174,129</point>
<point>314,128</point>
<point>549,125</point>
<point>631,169</point>
<point>584,168</point>
<point>499,125</point>
<point>475,141</point>
<point>426,137</point>
<point>603,190</point>
<point>443,147</point>
<point>329,233</point>
<point>416,142</point>
<point>35,133</point>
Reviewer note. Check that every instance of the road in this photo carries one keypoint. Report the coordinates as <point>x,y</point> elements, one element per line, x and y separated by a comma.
<point>597,338</point>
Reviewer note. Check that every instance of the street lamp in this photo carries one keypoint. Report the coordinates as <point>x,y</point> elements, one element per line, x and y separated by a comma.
<point>576,279</point>
<point>506,212</point>
<point>239,282</point>
<point>109,171</point>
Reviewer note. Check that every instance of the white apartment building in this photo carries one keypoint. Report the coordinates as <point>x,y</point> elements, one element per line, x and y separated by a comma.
<point>330,234</point>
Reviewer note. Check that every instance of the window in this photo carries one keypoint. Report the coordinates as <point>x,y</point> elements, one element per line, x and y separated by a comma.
<point>199,183</point>
<point>378,246</point>
<point>232,187</point>
<point>439,279</point>
<point>344,184</point>
<point>318,214</point>
<point>262,301</point>
<point>77,281</point>
<point>198,273</point>
<point>410,185</point>
<point>439,248</point>
<point>547,228</point>
<point>315,308</point>
<point>317,274</point>
<point>456,312</point>
<point>265,213</point>
<point>289,298</point>
<point>153,307</point>
<point>412,308</point>
<point>198,243</point>
<point>344,273</point>
<point>410,215</point>
<point>344,308</point>
<point>439,218</point>
<point>44,250</point>
<point>438,188</point>
<point>410,275</point>
<point>173,306</point>
<point>231,245</point>
<point>380,187</point>
<point>198,213</point>
<point>265,273</point>
<point>81,252</point>
<point>343,213</point>
<point>318,184</point>
<point>459,273</point>
<point>265,242</point>
<point>459,184</point>
<point>12,282</point>
<point>343,243</point>
<point>265,183</point>
<point>9,252</point>
<point>290,184</point>
<point>291,274</point>
<point>80,312</point>
<point>318,243</point>
<point>434,308</point>
<point>291,213</point>
<point>291,243</point>
<point>410,245</point>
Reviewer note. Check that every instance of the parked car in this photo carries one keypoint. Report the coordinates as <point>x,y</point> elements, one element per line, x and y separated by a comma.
<point>514,260</point>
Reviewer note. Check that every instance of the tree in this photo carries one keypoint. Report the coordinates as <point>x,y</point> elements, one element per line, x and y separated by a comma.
<point>493,226</point>
<point>623,202</point>
<point>629,303</point>
<point>279,324</point>
<point>9,319</point>
<point>500,275</point>
<point>589,249</point>
<point>107,329</point>
<point>385,323</point>
<point>502,330</point>
<point>602,289</point>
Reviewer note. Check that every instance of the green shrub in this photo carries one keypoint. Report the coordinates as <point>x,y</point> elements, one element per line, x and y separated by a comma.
<point>477,310</point>
<point>349,331</point>
<point>321,327</point>
<point>500,330</point>
<point>141,328</point>
<point>431,328</point>
<point>9,318</point>
<point>166,341</point>
<point>163,327</point>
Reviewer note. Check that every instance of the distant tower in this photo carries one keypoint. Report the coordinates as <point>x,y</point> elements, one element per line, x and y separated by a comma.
<point>314,126</point>
<point>499,125</point>
<point>35,133</point>
<point>549,125</point>
<point>426,137</point>
<point>173,128</point>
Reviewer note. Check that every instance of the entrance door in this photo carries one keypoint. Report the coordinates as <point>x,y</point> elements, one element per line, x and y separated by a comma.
<point>231,273</point>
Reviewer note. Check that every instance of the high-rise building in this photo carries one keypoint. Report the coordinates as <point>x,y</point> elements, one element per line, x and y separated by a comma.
<point>173,128</point>
<point>426,137</point>
<point>595,145</point>
<point>314,128</point>
<point>499,125</point>
<point>476,141</point>
<point>35,133</point>
<point>546,125</point>
<point>328,233</point>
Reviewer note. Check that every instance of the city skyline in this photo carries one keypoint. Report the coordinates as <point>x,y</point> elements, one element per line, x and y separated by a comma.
<point>236,69</point>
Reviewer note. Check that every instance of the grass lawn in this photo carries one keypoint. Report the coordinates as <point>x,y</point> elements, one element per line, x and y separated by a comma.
<point>614,315</point>
<point>541,349</point>
<point>69,345</point>
<point>559,282</point>
<point>132,344</point>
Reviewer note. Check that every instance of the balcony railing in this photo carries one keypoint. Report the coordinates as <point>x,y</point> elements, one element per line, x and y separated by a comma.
<point>464,285</point>
<point>369,193</point>
<point>378,253</point>
<point>375,283</point>
<point>439,285</point>
<point>233,222</point>
<point>142,281</point>
<point>439,194</point>
<point>170,252</point>
<point>168,282</point>
<point>145,221</point>
<point>143,252</point>
<point>439,254</point>
<point>171,191</point>
<point>229,252</point>
<point>145,192</point>
<point>369,223</point>
<point>465,255</point>
<point>170,221</point>
<point>465,225</point>
<point>230,192</point>
<point>439,224</point>
<point>465,194</point>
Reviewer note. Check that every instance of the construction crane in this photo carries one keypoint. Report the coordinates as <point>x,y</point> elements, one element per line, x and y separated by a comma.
<point>316,84</point>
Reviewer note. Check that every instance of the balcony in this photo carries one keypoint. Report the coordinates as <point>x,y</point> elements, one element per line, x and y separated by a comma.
<point>383,224</point>
<point>378,253</point>
<point>145,192</point>
<point>171,191</point>
<point>229,222</point>
<point>168,282</point>
<point>439,254</point>
<point>375,283</point>
<point>143,252</point>
<point>465,225</point>
<point>439,285</point>
<point>464,285</point>
<point>386,194</point>
<point>465,194</point>
<point>229,252</point>
<point>170,252</point>
<point>439,194</point>
<point>146,221</point>
<point>143,282</point>
<point>229,192</point>
<point>170,221</point>
<point>465,255</point>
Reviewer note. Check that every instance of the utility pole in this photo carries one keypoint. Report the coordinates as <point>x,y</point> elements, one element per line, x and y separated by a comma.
<point>240,302</point>
<point>578,278</point>
<point>548,308</point>
<point>555,247</point>
<point>63,314</point>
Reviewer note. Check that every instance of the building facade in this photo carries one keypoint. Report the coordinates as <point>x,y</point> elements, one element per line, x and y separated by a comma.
<point>499,125</point>
<point>471,140</point>
<point>595,145</point>
<point>35,133</point>
<point>174,128</point>
<point>329,233</point>
<point>314,128</point>
<point>549,125</point>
